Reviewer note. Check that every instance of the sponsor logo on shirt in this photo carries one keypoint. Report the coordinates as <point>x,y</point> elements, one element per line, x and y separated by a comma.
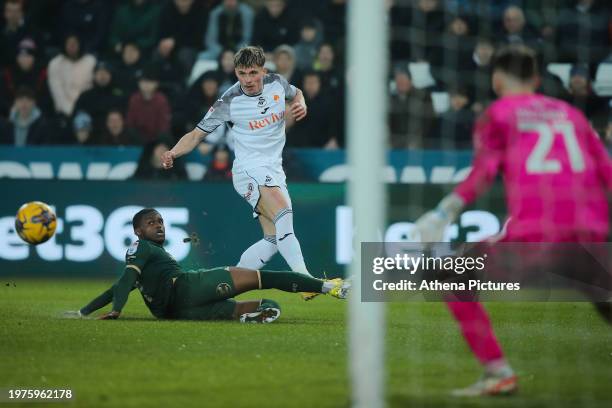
<point>133,248</point>
<point>267,121</point>
<point>276,98</point>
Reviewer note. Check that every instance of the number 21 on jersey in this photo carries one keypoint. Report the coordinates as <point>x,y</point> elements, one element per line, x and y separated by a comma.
<point>537,162</point>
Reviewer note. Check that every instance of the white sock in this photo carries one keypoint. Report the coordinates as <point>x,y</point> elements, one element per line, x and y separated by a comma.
<point>258,254</point>
<point>499,367</point>
<point>327,286</point>
<point>287,243</point>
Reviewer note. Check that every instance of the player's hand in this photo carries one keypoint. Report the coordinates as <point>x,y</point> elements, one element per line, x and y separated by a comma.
<point>72,314</point>
<point>299,110</point>
<point>110,316</point>
<point>167,159</point>
<point>430,227</point>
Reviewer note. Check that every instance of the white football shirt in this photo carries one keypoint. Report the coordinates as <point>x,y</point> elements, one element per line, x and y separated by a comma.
<point>256,122</point>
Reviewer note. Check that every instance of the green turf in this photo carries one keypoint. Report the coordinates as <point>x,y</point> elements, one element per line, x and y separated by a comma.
<point>562,352</point>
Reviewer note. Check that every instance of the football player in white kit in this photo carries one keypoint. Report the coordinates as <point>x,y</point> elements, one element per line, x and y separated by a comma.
<point>254,110</point>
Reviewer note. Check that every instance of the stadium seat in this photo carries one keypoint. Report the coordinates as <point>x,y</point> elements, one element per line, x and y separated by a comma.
<point>200,67</point>
<point>441,102</point>
<point>421,74</point>
<point>603,79</point>
<point>562,70</point>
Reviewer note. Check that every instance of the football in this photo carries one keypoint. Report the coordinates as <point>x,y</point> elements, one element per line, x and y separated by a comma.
<point>35,222</point>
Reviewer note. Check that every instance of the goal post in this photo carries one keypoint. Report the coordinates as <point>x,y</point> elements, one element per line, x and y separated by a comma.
<point>366,144</point>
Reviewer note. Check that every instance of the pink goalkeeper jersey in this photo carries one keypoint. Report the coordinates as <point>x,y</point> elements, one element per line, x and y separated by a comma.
<point>556,170</point>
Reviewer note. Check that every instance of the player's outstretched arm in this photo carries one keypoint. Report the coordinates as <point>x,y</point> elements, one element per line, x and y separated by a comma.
<point>97,303</point>
<point>185,145</point>
<point>121,291</point>
<point>298,106</point>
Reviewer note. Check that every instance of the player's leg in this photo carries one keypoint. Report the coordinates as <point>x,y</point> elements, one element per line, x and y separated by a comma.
<point>258,254</point>
<point>478,333</point>
<point>250,311</point>
<point>207,286</point>
<point>257,311</point>
<point>261,251</point>
<point>245,280</point>
<point>274,205</point>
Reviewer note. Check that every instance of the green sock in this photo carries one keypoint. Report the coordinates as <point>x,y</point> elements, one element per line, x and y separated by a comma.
<point>290,282</point>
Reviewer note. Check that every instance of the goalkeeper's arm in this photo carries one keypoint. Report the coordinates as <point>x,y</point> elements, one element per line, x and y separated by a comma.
<point>431,225</point>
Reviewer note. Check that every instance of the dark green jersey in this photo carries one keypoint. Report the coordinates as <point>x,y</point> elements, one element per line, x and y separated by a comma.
<point>150,269</point>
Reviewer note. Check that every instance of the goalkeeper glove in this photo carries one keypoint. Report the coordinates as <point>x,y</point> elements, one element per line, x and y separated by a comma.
<point>431,225</point>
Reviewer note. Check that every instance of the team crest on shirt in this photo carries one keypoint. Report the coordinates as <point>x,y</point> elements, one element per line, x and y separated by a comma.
<point>223,289</point>
<point>248,194</point>
<point>262,102</point>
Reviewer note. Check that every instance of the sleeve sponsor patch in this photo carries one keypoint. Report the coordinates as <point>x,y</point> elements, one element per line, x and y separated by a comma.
<point>132,249</point>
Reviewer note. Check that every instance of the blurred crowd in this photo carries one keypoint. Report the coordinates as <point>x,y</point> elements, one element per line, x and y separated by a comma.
<point>144,72</point>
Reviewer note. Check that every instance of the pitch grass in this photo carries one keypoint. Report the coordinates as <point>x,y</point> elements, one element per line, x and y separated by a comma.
<point>562,352</point>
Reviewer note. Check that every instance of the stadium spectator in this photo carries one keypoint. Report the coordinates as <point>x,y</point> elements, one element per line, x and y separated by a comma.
<point>25,72</point>
<point>103,97</point>
<point>594,107</point>
<point>136,21</point>
<point>306,49</point>
<point>230,25</point>
<point>148,110</point>
<point>425,24</point>
<point>515,29</point>
<point>82,128</point>
<point>284,61</point>
<point>225,72</point>
<point>410,113</point>
<point>220,167</point>
<point>455,125</point>
<point>70,73</point>
<point>199,99</point>
<point>89,20</point>
<point>13,30</point>
<point>452,57</point>
<point>115,133</point>
<point>481,91</point>
<point>334,21</point>
<point>582,32</point>
<point>150,165</point>
<point>27,124</point>
<point>129,69</point>
<point>44,15</point>
<point>181,31</point>
<point>275,25</point>
<point>542,15</point>
<point>171,75</point>
<point>331,76</point>
<point>552,85</point>
<point>315,130</point>
<point>399,32</point>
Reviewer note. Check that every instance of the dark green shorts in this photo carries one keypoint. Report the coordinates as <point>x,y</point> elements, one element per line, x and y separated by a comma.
<point>204,294</point>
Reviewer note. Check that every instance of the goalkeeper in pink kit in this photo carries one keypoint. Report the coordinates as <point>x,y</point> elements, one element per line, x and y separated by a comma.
<point>556,175</point>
